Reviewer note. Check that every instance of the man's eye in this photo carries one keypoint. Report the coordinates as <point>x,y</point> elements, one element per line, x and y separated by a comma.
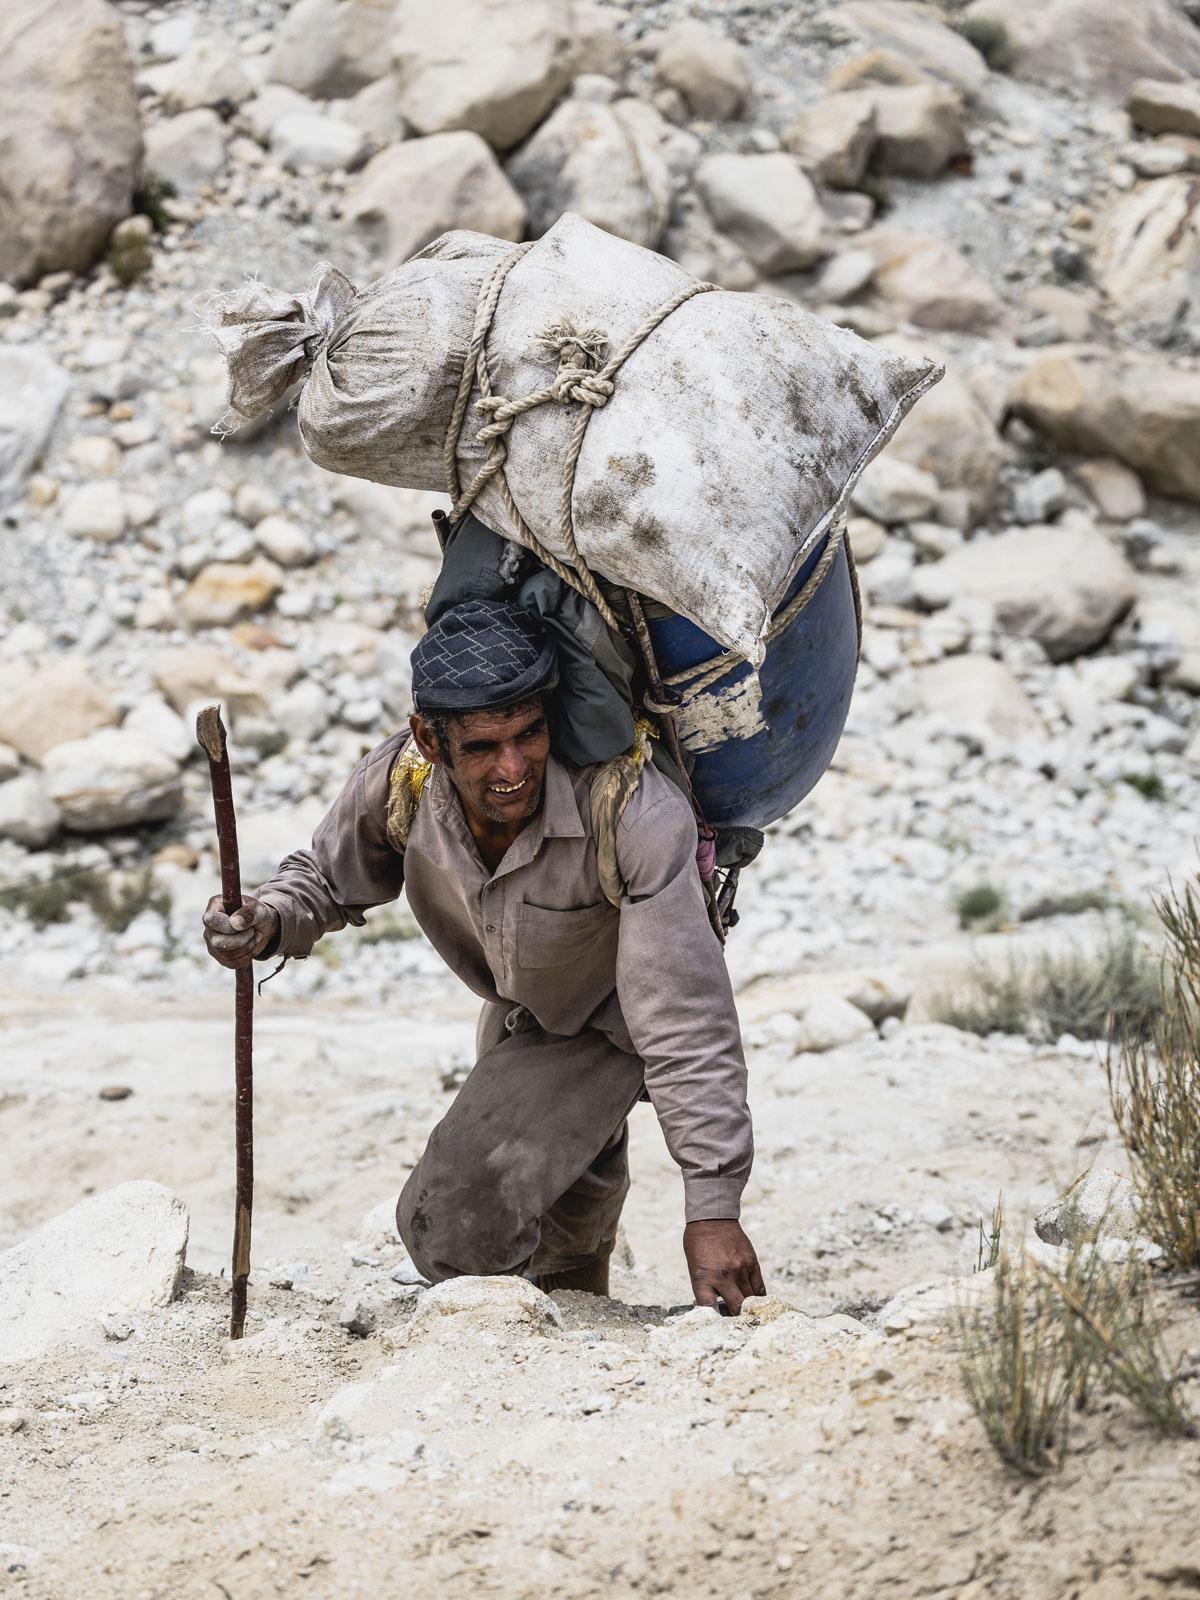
<point>534,732</point>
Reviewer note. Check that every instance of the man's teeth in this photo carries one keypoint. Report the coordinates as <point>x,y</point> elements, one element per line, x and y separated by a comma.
<point>508,788</point>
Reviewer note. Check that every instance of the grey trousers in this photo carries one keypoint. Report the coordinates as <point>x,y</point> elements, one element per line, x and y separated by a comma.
<point>527,1171</point>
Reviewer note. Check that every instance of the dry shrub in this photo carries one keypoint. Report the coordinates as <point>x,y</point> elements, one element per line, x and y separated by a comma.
<point>1048,1337</point>
<point>1154,1088</point>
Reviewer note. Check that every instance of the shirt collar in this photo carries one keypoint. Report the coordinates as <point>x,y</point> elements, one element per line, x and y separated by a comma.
<point>558,818</point>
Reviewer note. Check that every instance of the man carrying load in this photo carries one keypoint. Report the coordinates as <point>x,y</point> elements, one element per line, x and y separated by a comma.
<point>588,1006</point>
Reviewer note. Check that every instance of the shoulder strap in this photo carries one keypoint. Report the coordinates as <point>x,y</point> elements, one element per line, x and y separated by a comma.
<point>409,775</point>
<point>613,785</point>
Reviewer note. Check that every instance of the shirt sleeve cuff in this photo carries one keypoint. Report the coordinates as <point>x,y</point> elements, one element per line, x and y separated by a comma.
<point>294,938</point>
<point>712,1199</point>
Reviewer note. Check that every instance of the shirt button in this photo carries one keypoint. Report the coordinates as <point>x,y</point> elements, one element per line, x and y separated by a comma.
<point>489,928</point>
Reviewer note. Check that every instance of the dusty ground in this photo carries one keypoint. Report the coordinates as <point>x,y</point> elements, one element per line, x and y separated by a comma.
<point>625,1453</point>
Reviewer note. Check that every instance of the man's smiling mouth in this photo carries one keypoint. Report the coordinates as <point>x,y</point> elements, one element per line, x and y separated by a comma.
<point>507,789</point>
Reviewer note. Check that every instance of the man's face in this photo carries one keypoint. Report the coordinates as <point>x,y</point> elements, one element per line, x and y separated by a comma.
<point>496,760</point>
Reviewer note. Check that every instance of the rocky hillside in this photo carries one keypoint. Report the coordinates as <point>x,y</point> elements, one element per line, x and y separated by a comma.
<point>1012,186</point>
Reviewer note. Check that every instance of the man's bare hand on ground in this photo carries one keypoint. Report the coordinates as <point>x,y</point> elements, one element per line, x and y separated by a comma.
<point>235,940</point>
<point>722,1264</point>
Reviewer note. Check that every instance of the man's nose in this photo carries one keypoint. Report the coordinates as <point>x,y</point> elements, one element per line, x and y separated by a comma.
<point>511,765</point>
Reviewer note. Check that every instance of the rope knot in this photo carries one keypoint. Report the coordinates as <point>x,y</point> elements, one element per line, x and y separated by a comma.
<point>581,353</point>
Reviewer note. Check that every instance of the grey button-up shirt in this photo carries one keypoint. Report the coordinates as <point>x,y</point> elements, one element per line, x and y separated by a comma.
<point>539,933</point>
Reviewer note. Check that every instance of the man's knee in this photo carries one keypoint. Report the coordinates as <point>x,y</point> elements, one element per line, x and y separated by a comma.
<point>452,1235</point>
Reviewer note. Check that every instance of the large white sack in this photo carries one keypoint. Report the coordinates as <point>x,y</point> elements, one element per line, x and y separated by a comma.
<point>730,443</point>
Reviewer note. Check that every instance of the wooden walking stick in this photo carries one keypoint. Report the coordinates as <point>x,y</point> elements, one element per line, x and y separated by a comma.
<point>210,731</point>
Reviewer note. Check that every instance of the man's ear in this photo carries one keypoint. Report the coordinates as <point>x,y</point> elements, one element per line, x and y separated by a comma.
<point>425,738</point>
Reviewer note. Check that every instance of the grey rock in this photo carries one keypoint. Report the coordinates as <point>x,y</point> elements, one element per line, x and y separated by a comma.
<point>834,138</point>
<point>32,390</point>
<point>111,779</point>
<point>329,144</point>
<point>891,491</point>
<point>1160,107</point>
<point>70,135</point>
<point>589,158</point>
<point>208,74</point>
<point>95,511</point>
<point>119,1252</point>
<point>28,816</point>
<point>410,193</point>
<point>187,151</point>
<point>328,48</point>
<point>706,67</point>
<point>1100,1203</point>
<point>767,206</point>
<point>492,67</point>
<point>1041,498</point>
<point>285,541</point>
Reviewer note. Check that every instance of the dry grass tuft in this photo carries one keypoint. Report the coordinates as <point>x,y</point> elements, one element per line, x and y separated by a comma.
<point>1154,1088</point>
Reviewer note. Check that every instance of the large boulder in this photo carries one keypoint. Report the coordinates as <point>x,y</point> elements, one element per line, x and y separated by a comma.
<point>767,206</point>
<point>493,67</point>
<point>590,159</point>
<point>1066,587</point>
<point>1165,107</point>
<point>950,434</point>
<point>28,816</point>
<point>1100,47</point>
<point>834,138</point>
<point>1142,409</point>
<point>1148,261</point>
<point>410,193</point>
<point>225,591</point>
<point>329,48</point>
<point>978,700</point>
<point>187,151</point>
<point>919,131</point>
<point>918,34</point>
<point>32,390</point>
<point>928,283</point>
<point>70,137</point>
<point>705,66</point>
<point>41,707</point>
<point>111,779</point>
<point>122,1251</point>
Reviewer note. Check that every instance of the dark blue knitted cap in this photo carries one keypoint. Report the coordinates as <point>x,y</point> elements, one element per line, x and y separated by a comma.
<point>481,654</point>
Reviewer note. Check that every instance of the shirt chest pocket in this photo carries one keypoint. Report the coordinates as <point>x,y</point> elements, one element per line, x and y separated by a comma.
<point>555,938</point>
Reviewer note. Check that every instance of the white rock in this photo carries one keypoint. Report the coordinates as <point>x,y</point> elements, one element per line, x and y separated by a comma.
<point>70,135</point>
<point>111,779</point>
<point>304,712</point>
<point>187,151</point>
<point>1041,497</point>
<point>122,1251</point>
<point>153,720</point>
<point>891,491</point>
<point>208,73</point>
<point>705,66</point>
<point>919,130</point>
<point>254,501</point>
<point>202,513</point>
<point>10,763</point>
<point>1148,253</point>
<point>43,706</point>
<point>1100,1203</point>
<point>1165,107</point>
<point>482,1307</point>
<point>375,112</point>
<point>834,138</point>
<point>493,67</point>
<point>828,1021</point>
<point>928,282</point>
<point>978,700</point>
<point>95,455</point>
<point>328,143</point>
<point>1063,586</point>
<point>767,206</point>
<point>410,193</point>
<point>920,36</point>
<point>28,816</point>
<point>32,390</point>
<point>589,158</point>
<point>95,511</point>
<point>331,47</point>
<point>285,541</point>
<point>950,435</point>
<point>271,105</point>
<point>936,1303</point>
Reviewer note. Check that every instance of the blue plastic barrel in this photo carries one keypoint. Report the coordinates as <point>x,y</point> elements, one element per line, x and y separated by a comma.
<point>760,744</point>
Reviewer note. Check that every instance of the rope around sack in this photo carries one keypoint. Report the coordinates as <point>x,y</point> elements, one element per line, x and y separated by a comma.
<point>580,380</point>
<point>693,679</point>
